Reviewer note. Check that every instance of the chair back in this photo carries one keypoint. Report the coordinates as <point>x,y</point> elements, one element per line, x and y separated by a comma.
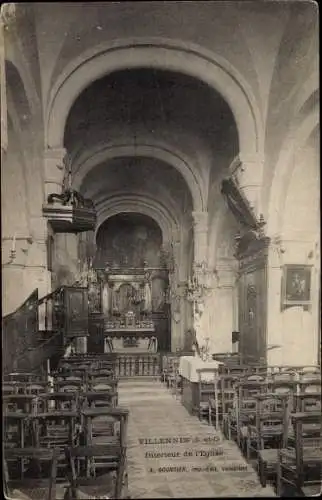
<point>106,457</point>
<point>32,485</point>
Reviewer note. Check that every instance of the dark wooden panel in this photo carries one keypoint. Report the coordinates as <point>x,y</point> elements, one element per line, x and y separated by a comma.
<point>252,310</point>
<point>95,341</point>
<point>76,311</point>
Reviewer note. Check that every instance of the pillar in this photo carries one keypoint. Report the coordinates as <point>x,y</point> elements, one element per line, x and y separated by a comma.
<point>223,307</point>
<point>200,226</point>
<point>248,172</point>
<point>54,170</point>
<point>66,266</point>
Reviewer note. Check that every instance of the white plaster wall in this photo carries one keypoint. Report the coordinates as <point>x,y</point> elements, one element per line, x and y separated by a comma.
<point>219,319</point>
<point>294,329</point>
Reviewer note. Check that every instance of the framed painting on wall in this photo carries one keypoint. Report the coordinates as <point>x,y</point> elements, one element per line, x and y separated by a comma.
<point>296,285</point>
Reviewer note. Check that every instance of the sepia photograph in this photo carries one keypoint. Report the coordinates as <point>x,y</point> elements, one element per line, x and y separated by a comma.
<point>161,259</point>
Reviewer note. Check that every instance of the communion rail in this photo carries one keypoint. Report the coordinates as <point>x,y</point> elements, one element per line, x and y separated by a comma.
<point>138,365</point>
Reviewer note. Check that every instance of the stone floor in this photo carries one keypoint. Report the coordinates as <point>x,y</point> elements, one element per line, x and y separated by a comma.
<point>171,454</point>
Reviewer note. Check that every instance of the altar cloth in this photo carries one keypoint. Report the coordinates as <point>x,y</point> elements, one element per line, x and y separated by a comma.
<point>188,366</point>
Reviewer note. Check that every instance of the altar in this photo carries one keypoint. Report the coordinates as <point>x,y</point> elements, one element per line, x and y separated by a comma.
<point>127,310</point>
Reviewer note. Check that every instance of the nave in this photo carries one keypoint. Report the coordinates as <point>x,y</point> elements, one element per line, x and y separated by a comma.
<point>238,431</point>
<point>158,420</point>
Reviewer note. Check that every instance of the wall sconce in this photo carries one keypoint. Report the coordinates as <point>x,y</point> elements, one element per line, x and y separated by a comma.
<point>13,252</point>
<point>279,245</point>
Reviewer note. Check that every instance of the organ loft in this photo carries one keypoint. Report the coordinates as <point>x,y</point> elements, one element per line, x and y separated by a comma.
<point>160,247</point>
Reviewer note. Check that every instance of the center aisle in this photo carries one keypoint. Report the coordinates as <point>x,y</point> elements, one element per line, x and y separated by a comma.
<point>171,454</point>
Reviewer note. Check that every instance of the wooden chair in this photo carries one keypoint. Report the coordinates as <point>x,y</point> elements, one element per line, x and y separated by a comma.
<point>103,372</point>
<point>21,377</point>
<point>105,425</point>
<point>94,399</point>
<point>23,403</point>
<point>310,383</point>
<point>95,380</point>
<point>113,482</point>
<point>59,401</point>
<point>247,389</point>
<point>208,394</point>
<point>69,377</point>
<point>8,388</point>
<point>307,401</point>
<point>56,428</point>
<point>299,467</point>
<point>238,370</point>
<point>68,386</point>
<point>30,484</point>
<point>172,374</point>
<point>269,433</point>
<point>226,401</point>
<point>16,426</point>
<point>37,388</point>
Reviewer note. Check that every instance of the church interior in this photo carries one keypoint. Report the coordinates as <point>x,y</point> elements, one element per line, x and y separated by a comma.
<point>161,280</point>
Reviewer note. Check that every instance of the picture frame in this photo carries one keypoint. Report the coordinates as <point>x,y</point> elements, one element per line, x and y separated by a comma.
<point>296,285</point>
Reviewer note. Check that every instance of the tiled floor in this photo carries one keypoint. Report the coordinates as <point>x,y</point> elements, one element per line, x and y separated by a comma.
<point>196,462</point>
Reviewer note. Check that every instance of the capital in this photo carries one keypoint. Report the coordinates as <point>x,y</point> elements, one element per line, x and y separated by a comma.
<point>8,13</point>
<point>226,276</point>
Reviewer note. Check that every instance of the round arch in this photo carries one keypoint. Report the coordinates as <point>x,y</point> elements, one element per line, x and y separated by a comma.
<point>138,204</point>
<point>309,87</point>
<point>163,201</point>
<point>284,168</point>
<point>159,54</point>
<point>157,151</point>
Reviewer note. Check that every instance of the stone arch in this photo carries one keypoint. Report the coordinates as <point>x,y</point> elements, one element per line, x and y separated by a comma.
<point>141,204</point>
<point>283,170</point>
<point>158,151</point>
<point>164,201</point>
<point>163,54</point>
<point>307,90</point>
<point>18,60</point>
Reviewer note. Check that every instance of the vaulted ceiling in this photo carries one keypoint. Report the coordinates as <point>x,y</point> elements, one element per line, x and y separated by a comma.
<point>129,107</point>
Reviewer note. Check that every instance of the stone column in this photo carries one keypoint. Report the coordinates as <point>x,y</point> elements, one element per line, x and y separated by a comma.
<point>248,172</point>
<point>54,170</point>
<point>224,311</point>
<point>66,258</point>
<point>200,226</point>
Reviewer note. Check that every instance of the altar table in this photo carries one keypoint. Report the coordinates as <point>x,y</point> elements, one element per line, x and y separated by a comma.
<point>188,371</point>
